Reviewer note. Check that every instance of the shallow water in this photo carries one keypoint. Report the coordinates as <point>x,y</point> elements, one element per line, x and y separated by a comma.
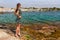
<point>31,17</point>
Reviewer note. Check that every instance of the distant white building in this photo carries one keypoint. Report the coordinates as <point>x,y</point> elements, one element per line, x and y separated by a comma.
<point>6,10</point>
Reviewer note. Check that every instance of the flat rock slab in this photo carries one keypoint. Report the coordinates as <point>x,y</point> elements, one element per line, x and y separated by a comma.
<point>6,36</point>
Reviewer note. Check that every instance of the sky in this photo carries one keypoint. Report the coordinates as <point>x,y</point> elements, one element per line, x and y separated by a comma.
<point>30,3</point>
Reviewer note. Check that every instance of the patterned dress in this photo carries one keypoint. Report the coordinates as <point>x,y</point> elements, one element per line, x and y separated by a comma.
<point>18,20</point>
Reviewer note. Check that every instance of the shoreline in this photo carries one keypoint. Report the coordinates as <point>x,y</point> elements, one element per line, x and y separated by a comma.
<point>32,9</point>
<point>40,31</point>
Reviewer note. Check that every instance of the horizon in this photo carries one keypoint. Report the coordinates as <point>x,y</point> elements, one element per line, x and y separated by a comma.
<point>31,3</point>
<point>30,7</point>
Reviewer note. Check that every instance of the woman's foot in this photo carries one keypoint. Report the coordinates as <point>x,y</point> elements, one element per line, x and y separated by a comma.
<point>19,34</point>
<point>16,35</point>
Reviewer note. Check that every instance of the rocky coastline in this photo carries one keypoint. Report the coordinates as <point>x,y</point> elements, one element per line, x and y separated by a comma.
<point>30,32</point>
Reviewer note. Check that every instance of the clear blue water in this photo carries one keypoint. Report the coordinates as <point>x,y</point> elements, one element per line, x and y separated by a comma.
<point>31,17</point>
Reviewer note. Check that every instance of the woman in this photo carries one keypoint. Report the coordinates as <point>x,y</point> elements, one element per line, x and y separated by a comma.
<point>18,15</point>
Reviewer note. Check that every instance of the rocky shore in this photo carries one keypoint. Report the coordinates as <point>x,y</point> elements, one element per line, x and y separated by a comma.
<point>30,32</point>
<point>7,32</point>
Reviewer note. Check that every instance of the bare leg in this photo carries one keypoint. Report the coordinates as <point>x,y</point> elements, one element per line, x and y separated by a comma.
<point>17,30</point>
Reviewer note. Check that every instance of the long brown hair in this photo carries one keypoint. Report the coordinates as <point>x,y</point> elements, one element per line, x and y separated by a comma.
<point>18,4</point>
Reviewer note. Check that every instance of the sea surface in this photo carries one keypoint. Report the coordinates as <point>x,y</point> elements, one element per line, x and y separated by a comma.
<point>32,17</point>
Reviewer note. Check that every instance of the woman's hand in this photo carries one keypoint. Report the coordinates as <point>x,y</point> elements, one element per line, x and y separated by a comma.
<point>19,16</point>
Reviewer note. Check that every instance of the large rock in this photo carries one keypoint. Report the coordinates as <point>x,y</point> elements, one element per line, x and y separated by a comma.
<point>6,36</point>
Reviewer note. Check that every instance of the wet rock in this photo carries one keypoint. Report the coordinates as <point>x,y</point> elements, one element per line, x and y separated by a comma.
<point>47,30</point>
<point>50,38</point>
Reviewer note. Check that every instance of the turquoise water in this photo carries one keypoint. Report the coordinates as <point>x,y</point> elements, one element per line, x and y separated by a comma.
<point>31,17</point>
